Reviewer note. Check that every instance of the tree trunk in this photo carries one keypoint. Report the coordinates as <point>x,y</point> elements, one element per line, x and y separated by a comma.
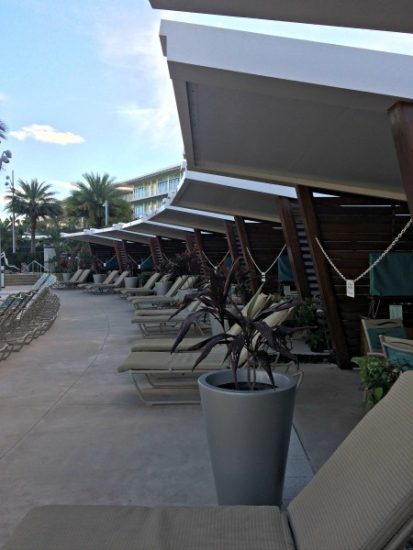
<point>33,237</point>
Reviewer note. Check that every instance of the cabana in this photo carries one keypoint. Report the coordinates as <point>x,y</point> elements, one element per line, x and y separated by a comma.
<point>317,116</point>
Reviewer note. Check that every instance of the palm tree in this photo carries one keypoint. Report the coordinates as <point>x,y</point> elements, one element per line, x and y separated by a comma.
<point>3,130</point>
<point>87,200</point>
<point>35,201</point>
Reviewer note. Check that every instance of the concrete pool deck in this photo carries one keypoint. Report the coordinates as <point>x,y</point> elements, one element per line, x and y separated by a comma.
<point>73,430</point>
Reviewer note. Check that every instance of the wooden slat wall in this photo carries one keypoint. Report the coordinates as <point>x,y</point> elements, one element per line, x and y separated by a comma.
<point>309,270</point>
<point>215,246</point>
<point>137,251</point>
<point>102,251</point>
<point>121,255</point>
<point>171,247</point>
<point>265,240</point>
<point>351,227</point>
<point>156,251</point>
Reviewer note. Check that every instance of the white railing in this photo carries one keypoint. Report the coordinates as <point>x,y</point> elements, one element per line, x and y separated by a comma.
<point>35,267</point>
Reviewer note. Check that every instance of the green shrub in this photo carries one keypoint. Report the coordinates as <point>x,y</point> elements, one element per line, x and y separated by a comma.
<point>377,376</point>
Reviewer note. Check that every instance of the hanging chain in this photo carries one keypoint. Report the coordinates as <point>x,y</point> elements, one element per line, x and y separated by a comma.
<point>215,267</point>
<point>379,259</point>
<point>264,273</point>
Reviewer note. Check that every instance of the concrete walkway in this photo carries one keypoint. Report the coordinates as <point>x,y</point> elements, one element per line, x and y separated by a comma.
<point>73,431</point>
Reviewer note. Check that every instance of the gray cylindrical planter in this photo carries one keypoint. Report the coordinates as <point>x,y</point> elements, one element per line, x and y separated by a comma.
<point>162,287</point>
<point>248,436</point>
<point>131,282</point>
<point>99,278</point>
<point>66,277</point>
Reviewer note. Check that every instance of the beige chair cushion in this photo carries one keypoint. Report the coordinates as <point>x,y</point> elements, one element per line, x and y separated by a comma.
<point>139,528</point>
<point>161,361</point>
<point>364,493</point>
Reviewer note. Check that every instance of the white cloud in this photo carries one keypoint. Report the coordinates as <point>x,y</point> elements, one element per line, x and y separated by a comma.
<point>62,184</point>
<point>129,42</point>
<point>158,124</point>
<point>46,134</point>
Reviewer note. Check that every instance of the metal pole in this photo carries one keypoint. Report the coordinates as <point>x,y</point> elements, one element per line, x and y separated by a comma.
<point>1,268</point>
<point>13,214</point>
<point>106,205</point>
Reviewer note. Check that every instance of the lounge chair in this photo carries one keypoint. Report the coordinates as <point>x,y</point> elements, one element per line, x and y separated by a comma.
<point>73,279</point>
<point>361,498</point>
<point>146,289</point>
<point>110,287</point>
<point>82,278</point>
<point>170,297</point>
<point>160,320</point>
<point>179,367</point>
<point>398,350</point>
<point>110,277</point>
<point>165,344</point>
<point>373,328</point>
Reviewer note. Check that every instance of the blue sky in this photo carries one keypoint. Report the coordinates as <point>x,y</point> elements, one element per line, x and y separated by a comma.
<point>84,86</point>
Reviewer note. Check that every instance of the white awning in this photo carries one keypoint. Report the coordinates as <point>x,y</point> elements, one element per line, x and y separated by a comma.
<point>386,15</point>
<point>230,196</point>
<point>195,219</point>
<point>287,111</point>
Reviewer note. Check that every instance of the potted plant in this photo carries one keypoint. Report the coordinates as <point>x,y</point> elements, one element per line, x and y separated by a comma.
<point>65,268</point>
<point>248,408</point>
<point>99,274</point>
<point>310,314</point>
<point>132,280</point>
<point>163,268</point>
<point>186,263</point>
<point>377,376</point>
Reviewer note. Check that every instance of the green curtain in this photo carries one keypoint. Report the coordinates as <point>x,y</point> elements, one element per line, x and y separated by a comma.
<point>284,269</point>
<point>393,276</point>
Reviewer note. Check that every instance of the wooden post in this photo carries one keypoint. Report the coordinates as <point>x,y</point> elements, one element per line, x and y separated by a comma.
<point>401,118</point>
<point>305,198</point>
<point>243,238</point>
<point>293,246</point>
<point>121,255</point>
<point>190,242</point>
<point>156,250</point>
<point>232,245</point>
<point>200,248</point>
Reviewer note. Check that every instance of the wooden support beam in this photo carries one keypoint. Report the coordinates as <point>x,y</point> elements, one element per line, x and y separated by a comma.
<point>121,255</point>
<point>243,238</point>
<point>232,245</point>
<point>306,202</point>
<point>200,248</point>
<point>293,246</point>
<point>190,242</point>
<point>401,118</point>
<point>156,250</point>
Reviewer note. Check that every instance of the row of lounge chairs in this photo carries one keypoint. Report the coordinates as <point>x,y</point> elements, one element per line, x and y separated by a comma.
<point>24,316</point>
<point>80,276</point>
<point>151,357</point>
<point>113,281</point>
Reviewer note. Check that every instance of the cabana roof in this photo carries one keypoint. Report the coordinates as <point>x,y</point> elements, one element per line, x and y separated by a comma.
<point>230,196</point>
<point>90,236</point>
<point>396,15</point>
<point>117,231</point>
<point>287,111</point>
<point>195,219</point>
<point>147,226</point>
